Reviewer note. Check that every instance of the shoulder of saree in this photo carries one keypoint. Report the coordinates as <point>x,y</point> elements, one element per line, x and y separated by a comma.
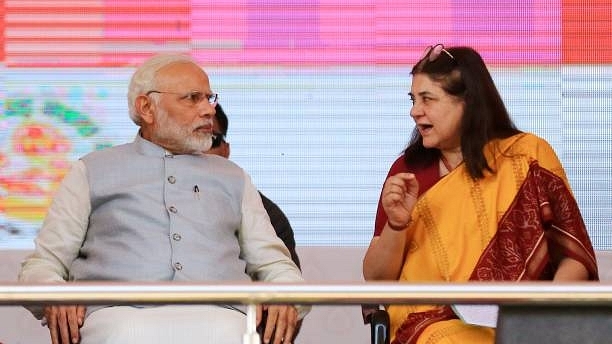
<point>529,148</point>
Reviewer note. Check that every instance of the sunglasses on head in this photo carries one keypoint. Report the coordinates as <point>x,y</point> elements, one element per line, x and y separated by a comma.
<point>433,52</point>
<point>217,139</point>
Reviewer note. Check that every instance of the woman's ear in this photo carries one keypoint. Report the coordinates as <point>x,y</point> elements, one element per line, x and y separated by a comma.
<point>145,108</point>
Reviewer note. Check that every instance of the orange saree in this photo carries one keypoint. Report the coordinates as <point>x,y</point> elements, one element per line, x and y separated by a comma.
<point>513,225</point>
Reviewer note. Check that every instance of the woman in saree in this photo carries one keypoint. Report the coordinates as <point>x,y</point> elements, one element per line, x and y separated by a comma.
<point>472,198</point>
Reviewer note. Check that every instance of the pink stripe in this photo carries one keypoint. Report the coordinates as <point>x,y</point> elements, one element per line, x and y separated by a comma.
<point>328,31</point>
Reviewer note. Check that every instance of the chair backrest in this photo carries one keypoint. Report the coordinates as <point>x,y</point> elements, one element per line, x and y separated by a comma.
<point>379,327</point>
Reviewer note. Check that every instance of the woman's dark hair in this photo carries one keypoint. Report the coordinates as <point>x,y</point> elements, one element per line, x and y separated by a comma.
<point>221,119</point>
<point>464,74</point>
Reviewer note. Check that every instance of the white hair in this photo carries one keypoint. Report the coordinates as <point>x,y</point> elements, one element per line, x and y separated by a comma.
<point>144,78</point>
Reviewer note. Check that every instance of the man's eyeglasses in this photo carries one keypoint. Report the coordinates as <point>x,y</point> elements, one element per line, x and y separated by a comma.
<point>434,51</point>
<point>217,139</point>
<point>193,97</point>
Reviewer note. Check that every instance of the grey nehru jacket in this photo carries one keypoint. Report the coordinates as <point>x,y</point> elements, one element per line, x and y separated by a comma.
<point>157,216</point>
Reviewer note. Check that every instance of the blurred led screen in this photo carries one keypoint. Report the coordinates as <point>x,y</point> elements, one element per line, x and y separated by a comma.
<point>316,93</point>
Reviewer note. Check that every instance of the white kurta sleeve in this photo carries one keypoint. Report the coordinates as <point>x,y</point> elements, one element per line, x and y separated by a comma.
<point>61,235</point>
<point>267,257</point>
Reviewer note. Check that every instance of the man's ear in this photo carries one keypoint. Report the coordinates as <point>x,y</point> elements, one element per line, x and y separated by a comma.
<point>145,108</point>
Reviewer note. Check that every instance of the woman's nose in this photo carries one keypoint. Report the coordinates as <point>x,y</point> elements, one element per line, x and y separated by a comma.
<point>415,110</point>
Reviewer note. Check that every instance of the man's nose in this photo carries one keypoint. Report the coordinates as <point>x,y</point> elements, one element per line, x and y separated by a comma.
<point>207,109</point>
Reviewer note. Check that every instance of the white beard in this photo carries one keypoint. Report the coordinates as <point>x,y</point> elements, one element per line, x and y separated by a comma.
<point>178,139</point>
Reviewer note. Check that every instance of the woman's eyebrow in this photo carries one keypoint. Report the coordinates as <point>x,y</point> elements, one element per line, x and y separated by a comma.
<point>422,93</point>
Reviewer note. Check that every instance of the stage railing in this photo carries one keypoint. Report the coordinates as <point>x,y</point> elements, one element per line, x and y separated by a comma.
<point>252,294</point>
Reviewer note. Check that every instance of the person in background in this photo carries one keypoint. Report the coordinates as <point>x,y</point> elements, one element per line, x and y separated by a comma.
<point>282,227</point>
<point>221,147</point>
<point>157,209</point>
<point>472,198</point>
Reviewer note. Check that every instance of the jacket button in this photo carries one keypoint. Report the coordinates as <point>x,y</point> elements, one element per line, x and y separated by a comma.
<point>172,180</point>
<point>173,209</point>
<point>176,237</point>
<point>178,266</point>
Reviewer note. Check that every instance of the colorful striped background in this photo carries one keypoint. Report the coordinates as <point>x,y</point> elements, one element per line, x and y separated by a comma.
<point>76,33</point>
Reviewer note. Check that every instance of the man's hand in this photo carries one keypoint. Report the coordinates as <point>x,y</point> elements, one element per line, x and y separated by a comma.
<point>64,323</point>
<point>281,323</point>
<point>398,198</point>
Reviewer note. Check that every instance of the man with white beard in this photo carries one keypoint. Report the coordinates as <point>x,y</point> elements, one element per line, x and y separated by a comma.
<point>155,209</point>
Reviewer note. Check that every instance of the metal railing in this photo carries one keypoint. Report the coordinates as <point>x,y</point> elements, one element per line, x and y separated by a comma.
<point>252,294</point>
